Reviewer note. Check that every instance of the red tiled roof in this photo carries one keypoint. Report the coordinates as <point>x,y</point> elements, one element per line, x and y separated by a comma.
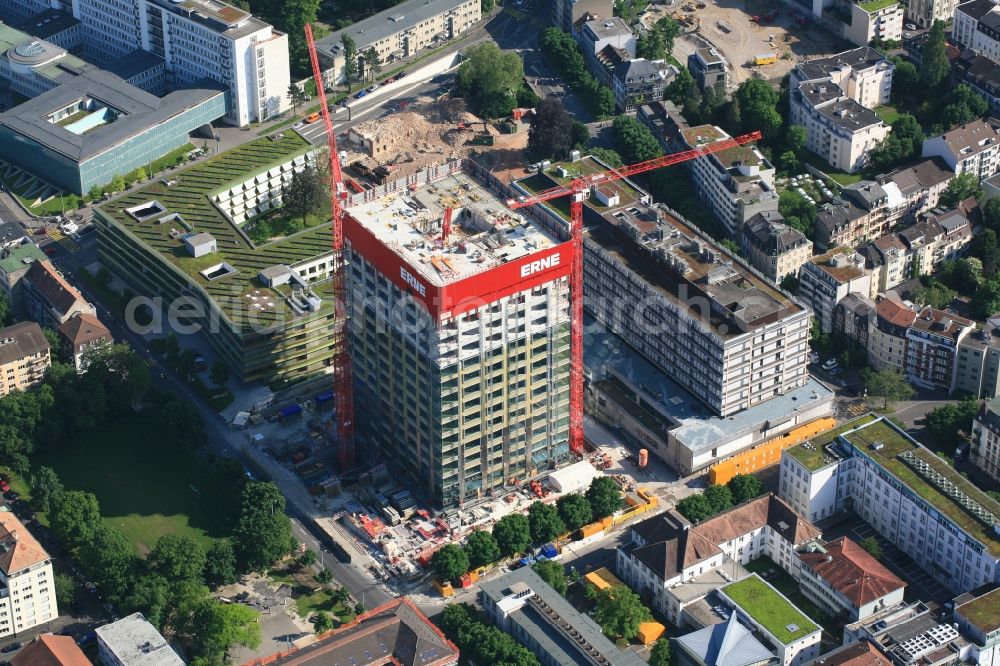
<point>49,650</point>
<point>83,329</point>
<point>849,569</point>
<point>765,510</point>
<point>53,286</point>
<point>895,313</point>
<point>861,653</point>
<point>18,548</point>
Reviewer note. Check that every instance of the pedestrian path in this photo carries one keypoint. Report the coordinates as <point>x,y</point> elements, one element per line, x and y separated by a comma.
<point>66,242</point>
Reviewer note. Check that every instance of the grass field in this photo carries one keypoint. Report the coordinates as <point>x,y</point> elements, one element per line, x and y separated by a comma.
<point>144,483</point>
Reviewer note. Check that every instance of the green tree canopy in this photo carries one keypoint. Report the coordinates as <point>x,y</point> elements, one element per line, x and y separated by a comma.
<point>553,574</point>
<point>544,522</point>
<point>263,533</point>
<point>660,654</point>
<point>959,189</point>
<point>512,533</point>
<point>609,157</point>
<point>489,79</point>
<point>450,562</point>
<point>45,485</point>
<point>306,193</point>
<point>798,213</point>
<point>482,548</point>
<point>109,558</point>
<point>177,557</point>
<point>889,384</point>
<point>745,487</point>
<point>871,545</point>
<point>934,65</point>
<point>695,508</point>
<point>75,517</point>
<point>719,498</point>
<point>220,564</point>
<point>948,423</point>
<point>550,135</point>
<point>620,611</point>
<point>322,622</point>
<point>604,496</point>
<point>759,108</point>
<point>635,141</point>
<point>575,510</point>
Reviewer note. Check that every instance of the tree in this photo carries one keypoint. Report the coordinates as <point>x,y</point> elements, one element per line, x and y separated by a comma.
<point>948,423</point>
<point>550,134</point>
<point>306,559</point>
<point>141,175</point>
<point>65,590</point>
<point>118,183</point>
<point>75,517</point>
<point>959,189</point>
<point>790,283</point>
<point>991,214</point>
<point>986,301</point>
<point>968,275</point>
<point>934,65</point>
<point>450,562</point>
<point>871,545</point>
<point>359,608</point>
<point>889,384</point>
<point>95,193</point>
<point>575,510</point>
<point>482,548</point>
<point>798,213</point>
<point>905,80</point>
<point>109,558</point>
<point>220,564</point>
<point>341,595</point>
<point>296,97</point>
<point>153,596</point>
<point>350,59</point>
<point>264,533</point>
<point>903,143</point>
<point>635,142</point>
<point>580,136</point>
<point>544,522</point>
<point>489,79</point>
<point>604,496</point>
<point>324,576</point>
<point>680,88</point>
<point>45,485</point>
<point>609,157</point>
<point>177,557</point>
<point>660,654</point>
<point>759,108</point>
<point>305,194</point>
<point>221,626</point>
<point>745,487</point>
<point>6,314</point>
<point>373,63</point>
<point>935,294</point>
<point>512,533</point>
<point>695,508</point>
<point>322,622</point>
<point>486,6</point>
<point>219,372</point>
<point>964,106</point>
<point>620,611</point>
<point>658,43</point>
<point>553,574</point>
<point>719,498</point>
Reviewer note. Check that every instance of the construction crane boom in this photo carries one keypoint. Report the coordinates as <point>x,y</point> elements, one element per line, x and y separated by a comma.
<point>343,387</point>
<point>579,190</point>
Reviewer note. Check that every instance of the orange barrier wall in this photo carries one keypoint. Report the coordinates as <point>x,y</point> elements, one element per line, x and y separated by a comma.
<point>766,454</point>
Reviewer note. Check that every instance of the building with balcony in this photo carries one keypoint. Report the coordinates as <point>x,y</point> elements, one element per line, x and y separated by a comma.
<point>862,74</point>
<point>24,357</point>
<point>976,26</point>
<point>853,317</point>
<point>567,14</point>
<point>887,338</point>
<point>925,12</point>
<point>982,75</point>
<point>774,248</point>
<point>872,19</point>
<point>920,185</point>
<point>639,80</point>
<point>863,211</point>
<point>27,583</point>
<point>984,450</point>
<point>82,334</point>
<point>977,364</point>
<point>972,148</point>
<point>49,299</point>
<point>839,129</point>
<point>931,348</point>
<point>828,278</point>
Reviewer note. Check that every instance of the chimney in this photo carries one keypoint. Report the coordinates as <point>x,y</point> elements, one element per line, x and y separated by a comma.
<point>13,535</point>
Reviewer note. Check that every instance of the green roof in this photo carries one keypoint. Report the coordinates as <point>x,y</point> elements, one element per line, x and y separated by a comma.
<point>811,454</point>
<point>189,197</point>
<point>770,609</point>
<point>16,259</point>
<point>983,612</point>
<point>873,6</point>
<point>887,446</point>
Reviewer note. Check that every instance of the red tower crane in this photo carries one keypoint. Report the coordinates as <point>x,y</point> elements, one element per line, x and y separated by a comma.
<point>579,190</point>
<point>343,388</point>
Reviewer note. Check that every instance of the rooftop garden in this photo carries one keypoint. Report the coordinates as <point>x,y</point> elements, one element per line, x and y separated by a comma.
<point>814,457</point>
<point>885,444</point>
<point>872,6</point>
<point>770,610</point>
<point>982,612</point>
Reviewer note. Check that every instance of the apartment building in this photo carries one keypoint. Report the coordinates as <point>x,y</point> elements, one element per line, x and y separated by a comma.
<point>50,650</point>
<point>82,334</point>
<point>14,264</point>
<point>637,81</point>
<point>24,357</point>
<point>925,12</point>
<point>133,641</point>
<point>853,317</point>
<point>676,564</point>
<point>484,330</point>
<point>982,75</point>
<point>828,278</point>
<point>567,14</point>
<point>920,185</point>
<point>839,129</point>
<point>843,579</point>
<point>872,20</point>
<point>887,339</point>
<point>27,583</point>
<point>401,31</point>
<point>976,26</point>
<point>862,74</point>
<point>972,148</point>
<point>774,248</point>
<point>917,250</point>
<point>984,450</point>
<point>736,183</point>
<point>977,366</point>
<point>864,210</point>
<point>908,494</point>
<point>931,348</point>
<point>49,299</point>
<point>600,33</point>
<point>708,68</point>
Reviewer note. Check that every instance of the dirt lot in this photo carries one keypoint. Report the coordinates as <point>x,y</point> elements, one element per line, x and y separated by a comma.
<point>727,25</point>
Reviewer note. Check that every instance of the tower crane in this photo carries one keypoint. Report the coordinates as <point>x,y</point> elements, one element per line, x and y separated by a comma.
<point>343,388</point>
<point>578,190</point>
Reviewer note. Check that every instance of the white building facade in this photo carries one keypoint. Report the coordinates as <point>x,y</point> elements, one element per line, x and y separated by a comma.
<point>27,585</point>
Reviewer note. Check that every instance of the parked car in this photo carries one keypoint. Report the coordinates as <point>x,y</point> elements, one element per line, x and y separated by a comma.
<point>51,250</point>
<point>910,26</point>
<point>830,364</point>
<point>833,372</point>
<point>813,357</point>
<point>401,75</point>
<point>4,486</point>
<point>373,87</point>
<point>312,117</point>
<point>360,94</point>
<point>11,495</point>
<point>299,125</point>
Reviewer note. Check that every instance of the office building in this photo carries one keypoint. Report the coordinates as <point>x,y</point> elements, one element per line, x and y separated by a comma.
<point>972,148</point>
<point>267,308</point>
<point>82,334</point>
<point>725,644</point>
<point>844,580</point>
<point>400,32</point>
<point>984,447</point>
<point>133,641</point>
<point>49,299</point>
<point>735,183</point>
<point>914,635</point>
<point>522,605</point>
<point>931,348</point>
<point>460,347</point>
<point>774,248</point>
<point>912,498</point>
<point>828,278</point>
<point>50,650</point>
<point>863,74</point>
<point>708,68</point>
<point>676,564</point>
<point>24,358</point>
<point>568,15</point>
<point>27,584</point>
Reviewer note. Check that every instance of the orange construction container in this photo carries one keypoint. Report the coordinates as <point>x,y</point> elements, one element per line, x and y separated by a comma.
<point>766,454</point>
<point>650,632</point>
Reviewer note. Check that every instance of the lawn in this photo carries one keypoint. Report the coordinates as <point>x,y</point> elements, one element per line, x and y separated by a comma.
<point>769,610</point>
<point>779,579</point>
<point>144,483</point>
<point>887,113</point>
<point>840,177</point>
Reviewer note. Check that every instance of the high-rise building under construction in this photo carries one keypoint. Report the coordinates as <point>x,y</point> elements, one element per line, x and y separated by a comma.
<point>459,333</point>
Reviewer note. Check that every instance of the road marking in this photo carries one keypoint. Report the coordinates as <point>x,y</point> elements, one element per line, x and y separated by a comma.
<point>65,241</point>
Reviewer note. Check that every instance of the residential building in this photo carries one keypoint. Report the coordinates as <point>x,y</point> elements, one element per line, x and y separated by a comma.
<point>853,317</point>
<point>862,74</point>
<point>864,210</point>
<point>774,248</point>
<point>270,331</point>
<point>14,264</point>
<point>912,498</point>
<point>736,183</point>
<point>979,622</point>
<point>523,606</point>
<point>663,119</point>
<point>725,644</point>
<point>566,14</point>
<point>637,81</point>
<point>397,632</point>
<point>839,129</point>
<point>925,12</point>
<point>24,358</point>
<point>887,339</point>
<point>977,365</point>
<point>982,75</point>
<point>976,26</point>
<point>27,584</point>
<point>51,650</point>
<point>133,641</point>
<point>676,564</point>
<point>49,299</point>
<point>862,653</point>
<point>839,222</point>
<point>82,334</point>
<point>708,68</point>
<point>843,579</point>
<point>598,34</point>
<point>795,637</point>
<point>402,31</point>
<point>465,302</point>
<point>931,348</point>
<point>871,20</point>
<point>920,185</point>
<point>918,249</point>
<point>829,277</point>
<point>972,148</point>
<point>984,448</point>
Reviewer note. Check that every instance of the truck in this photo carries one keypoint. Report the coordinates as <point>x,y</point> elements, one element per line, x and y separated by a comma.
<point>765,59</point>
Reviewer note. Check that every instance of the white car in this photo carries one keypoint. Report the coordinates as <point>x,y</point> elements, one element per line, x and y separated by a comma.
<point>68,227</point>
<point>830,364</point>
<point>373,87</point>
<point>910,26</point>
<point>299,125</point>
<point>813,357</point>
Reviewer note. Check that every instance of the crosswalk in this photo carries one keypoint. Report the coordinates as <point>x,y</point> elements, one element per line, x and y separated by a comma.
<point>66,242</point>
<point>858,410</point>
